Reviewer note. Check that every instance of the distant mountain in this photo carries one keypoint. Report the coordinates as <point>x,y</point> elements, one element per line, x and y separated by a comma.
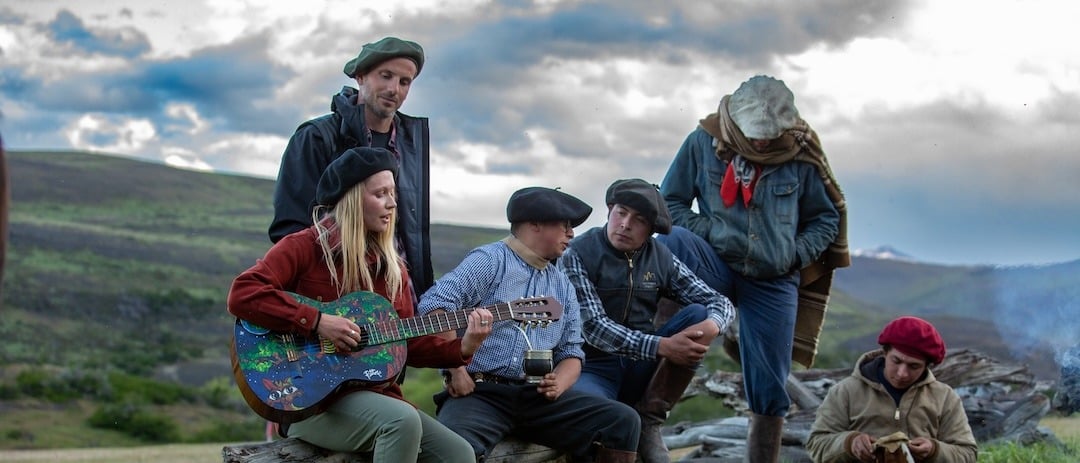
<point>882,252</point>
<point>1027,313</point>
<point>131,261</point>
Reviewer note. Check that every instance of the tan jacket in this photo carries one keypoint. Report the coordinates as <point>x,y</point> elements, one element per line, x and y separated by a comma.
<point>859,403</point>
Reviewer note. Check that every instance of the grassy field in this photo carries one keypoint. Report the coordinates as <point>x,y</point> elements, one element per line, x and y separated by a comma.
<point>1067,429</point>
<point>157,454</point>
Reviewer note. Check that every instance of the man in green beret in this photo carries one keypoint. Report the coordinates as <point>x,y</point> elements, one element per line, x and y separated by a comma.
<point>366,116</point>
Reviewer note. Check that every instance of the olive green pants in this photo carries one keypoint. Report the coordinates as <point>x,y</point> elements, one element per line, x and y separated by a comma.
<point>392,430</point>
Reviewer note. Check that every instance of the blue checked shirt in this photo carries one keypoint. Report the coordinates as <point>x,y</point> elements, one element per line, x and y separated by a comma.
<point>494,273</point>
<point>610,336</point>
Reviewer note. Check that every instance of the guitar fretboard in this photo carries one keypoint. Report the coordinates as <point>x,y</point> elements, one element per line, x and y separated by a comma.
<point>396,330</point>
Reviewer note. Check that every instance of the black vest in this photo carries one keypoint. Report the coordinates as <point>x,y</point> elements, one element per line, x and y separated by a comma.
<point>629,285</point>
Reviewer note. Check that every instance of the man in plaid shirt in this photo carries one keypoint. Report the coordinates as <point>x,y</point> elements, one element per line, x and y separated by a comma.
<point>620,273</point>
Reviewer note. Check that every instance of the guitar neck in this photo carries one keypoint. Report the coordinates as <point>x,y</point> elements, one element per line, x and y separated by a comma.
<point>406,328</point>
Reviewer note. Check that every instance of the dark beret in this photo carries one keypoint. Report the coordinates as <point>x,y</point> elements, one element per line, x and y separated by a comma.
<point>539,204</point>
<point>390,47</point>
<point>353,166</point>
<point>643,197</point>
<point>914,336</point>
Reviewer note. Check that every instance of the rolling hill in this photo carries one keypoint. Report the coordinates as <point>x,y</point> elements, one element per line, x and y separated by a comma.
<point>103,239</point>
<point>118,263</point>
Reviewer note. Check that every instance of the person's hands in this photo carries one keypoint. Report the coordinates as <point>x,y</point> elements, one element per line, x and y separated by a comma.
<point>688,347</point>
<point>460,384</point>
<point>478,329</point>
<point>862,447</point>
<point>921,447</point>
<point>339,330</point>
<point>552,386</point>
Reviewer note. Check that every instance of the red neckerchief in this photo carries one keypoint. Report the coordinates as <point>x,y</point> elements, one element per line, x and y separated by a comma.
<point>744,180</point>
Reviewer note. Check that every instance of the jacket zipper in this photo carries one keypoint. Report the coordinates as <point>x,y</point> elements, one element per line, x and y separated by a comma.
<point>630,290</point>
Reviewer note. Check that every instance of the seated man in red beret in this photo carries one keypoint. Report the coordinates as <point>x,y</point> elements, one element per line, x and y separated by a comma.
<point>892,390</point>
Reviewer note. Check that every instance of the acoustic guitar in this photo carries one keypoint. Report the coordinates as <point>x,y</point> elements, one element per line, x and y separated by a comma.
<point>287,377</point>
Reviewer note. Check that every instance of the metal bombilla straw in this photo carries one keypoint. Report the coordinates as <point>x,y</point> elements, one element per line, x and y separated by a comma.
<point>537,362</point>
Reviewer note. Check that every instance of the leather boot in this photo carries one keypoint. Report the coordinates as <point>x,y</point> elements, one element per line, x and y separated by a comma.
<point>764,438</point>
<point>731,343</point>
<point>606,455</point>
<point>664,391</point>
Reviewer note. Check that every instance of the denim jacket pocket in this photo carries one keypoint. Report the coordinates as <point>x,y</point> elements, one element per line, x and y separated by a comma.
<point>715,168</point>
<point>785,202</point>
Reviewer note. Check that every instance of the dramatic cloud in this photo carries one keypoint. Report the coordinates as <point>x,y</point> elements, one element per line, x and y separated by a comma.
<point>953,144</point>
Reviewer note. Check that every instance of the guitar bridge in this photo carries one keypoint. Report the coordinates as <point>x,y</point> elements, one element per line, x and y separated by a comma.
<point>327,346</point>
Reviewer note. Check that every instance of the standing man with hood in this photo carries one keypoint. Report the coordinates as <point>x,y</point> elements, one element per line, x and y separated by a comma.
<point>620,273</point>
<point>768,231</point>
<point>367,116</point>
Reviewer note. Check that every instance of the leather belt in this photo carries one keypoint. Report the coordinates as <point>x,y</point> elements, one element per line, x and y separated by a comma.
<point>487,378</point>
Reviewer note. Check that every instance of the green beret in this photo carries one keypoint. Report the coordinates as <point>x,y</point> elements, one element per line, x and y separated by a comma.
<point>353,166</point>
<point>387,48</point>
<point>539,204</point>
<point>644,198</point>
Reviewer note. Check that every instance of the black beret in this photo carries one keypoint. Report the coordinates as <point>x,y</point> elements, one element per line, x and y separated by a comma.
<point>353,166</point>
<point>643,197</point>
<point>390,47</point>
<point>539,204</point>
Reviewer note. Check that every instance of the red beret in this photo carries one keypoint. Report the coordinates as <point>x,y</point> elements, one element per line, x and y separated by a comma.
<point>914,336</point>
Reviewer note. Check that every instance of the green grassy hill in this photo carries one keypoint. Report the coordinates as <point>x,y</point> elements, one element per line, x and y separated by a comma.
<point>113,301</point>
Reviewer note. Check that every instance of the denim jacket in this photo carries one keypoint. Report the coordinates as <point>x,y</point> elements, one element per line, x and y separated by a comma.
<point>788,224</point>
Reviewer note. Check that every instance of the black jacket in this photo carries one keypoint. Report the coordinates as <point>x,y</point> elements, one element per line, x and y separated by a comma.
<point>317,142</point>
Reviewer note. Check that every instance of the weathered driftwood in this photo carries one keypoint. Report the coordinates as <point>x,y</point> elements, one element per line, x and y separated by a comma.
<point>297,451</point>
<point>1003,403</point>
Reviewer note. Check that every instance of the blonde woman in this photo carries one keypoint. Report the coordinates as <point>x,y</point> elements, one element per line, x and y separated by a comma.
<point>351,248</point>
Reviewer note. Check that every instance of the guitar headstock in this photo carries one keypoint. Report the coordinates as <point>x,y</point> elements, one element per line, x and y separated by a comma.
<point>535,309</point>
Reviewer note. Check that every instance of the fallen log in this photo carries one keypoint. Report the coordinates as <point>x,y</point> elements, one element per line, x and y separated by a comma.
<point>1003,403</point>
<point>292,450</point>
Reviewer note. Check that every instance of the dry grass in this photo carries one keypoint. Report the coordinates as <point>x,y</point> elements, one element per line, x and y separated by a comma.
<point>1065,428</point>
<point>157,454</point>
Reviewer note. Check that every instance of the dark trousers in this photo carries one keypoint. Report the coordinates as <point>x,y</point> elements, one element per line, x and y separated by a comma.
<point>623,378</point>
<point>766,316</point>
<point>572,423</point>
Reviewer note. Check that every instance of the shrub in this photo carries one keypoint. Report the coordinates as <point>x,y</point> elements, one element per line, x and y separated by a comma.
<point>59,387</point>
<point>221,431</point>
<point>135,421</point>
<point>128,387</point>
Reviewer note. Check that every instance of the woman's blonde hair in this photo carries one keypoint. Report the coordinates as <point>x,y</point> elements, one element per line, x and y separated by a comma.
<point>346,245</point>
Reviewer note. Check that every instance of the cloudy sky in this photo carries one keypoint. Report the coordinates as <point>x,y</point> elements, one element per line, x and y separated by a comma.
<point>952,125</point>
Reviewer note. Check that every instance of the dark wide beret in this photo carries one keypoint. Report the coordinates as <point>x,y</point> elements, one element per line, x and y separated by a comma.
<point>539,204</point>
<point>353,166</point>
<point>644,198</point>
<point>914,336</point>
<point>390,47</point>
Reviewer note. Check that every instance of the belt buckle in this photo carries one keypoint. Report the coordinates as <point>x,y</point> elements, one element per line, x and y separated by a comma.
<point>478,377</point>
